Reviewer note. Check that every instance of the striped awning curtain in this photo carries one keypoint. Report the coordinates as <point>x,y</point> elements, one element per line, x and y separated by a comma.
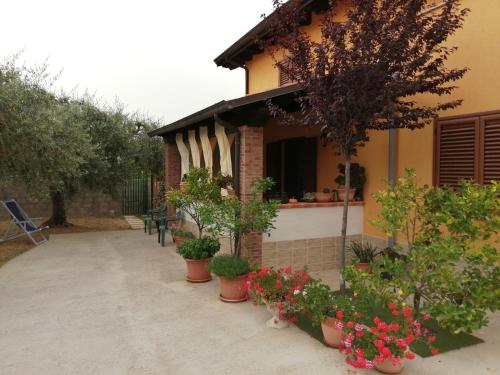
<point>184,152</point>
<point>207,148</point>
<point>225,151</point>
<point>195,150</point>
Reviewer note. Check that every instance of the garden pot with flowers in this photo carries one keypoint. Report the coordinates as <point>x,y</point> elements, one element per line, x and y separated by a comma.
<point>232,272</point>
<point>384,345</point>
<point>235,219</point>
<point>198,253</point>
<point>278,290</point>
<point>326,308</point>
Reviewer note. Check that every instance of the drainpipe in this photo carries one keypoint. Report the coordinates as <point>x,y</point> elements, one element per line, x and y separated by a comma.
<point>391,169</point>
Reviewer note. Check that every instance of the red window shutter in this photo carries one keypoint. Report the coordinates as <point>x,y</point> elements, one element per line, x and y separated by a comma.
<point>490,166</point>
<point>457,150</point>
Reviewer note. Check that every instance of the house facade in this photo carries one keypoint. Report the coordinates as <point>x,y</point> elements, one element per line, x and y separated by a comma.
<point>239,137</point>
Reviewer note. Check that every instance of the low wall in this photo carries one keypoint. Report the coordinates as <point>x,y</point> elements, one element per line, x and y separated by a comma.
<point>83,203</point>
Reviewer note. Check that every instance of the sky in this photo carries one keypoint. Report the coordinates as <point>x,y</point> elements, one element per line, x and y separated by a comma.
<point>155,56</point>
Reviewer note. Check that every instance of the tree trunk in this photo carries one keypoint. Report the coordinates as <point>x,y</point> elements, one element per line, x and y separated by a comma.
<point>347,186</point>
<point>58,217</point>
<point>416,302</point>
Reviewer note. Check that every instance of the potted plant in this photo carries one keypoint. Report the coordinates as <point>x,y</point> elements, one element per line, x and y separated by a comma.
<point>278,290</point>
<point>179,236</point>
<point>358,180</point>
<point>198,253</point>
<point>364,254</point>
<point>198,191</point>
<point>324,196</point>
<point>326,308</point>
<point>385,345</point>
<point>232,272</point>
<point>234,218</point>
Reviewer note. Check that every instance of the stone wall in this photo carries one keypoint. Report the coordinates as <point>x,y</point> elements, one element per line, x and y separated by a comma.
<point>84,203</point>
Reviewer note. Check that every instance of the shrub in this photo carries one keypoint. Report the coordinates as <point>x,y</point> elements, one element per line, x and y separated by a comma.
<point>364,252</point>
<point>229,266</point>
<point>451,263</point>
<point>199,248</point>
<point>181,233</point>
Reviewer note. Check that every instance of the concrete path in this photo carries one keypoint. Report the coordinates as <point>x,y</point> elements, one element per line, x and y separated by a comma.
<point>117,303</point>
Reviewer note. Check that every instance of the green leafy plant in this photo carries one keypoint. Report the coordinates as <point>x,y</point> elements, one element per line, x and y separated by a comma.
<point>181,233</point>
<point>229,266</point>
<point>199,248</point>
<point>198,192</point>
<point>450,239</point>
<point>364,252</point>
<point>232,217</point>
<point>320,302</point>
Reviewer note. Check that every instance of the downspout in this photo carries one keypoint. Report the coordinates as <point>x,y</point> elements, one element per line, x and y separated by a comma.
<point>391,169</point>
<point>247,80</point>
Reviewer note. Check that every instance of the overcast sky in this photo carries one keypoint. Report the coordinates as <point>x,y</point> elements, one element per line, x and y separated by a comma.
<point>156,56</point>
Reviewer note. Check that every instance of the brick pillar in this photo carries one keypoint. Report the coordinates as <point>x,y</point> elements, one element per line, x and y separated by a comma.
<point>251,167</point>
<point>172,169</point>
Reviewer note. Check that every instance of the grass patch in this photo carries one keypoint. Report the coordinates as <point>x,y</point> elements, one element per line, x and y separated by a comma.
<point>445,340</point>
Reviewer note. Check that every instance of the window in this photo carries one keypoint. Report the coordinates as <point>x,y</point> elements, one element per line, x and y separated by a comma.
<point>467,147</point>
<point>284,79</point>
<point>291,163</point>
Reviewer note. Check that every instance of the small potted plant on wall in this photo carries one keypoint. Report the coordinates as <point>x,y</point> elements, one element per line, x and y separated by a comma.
<point>358,180</point>
<point>234,218</point>
<point>179,236</point>
<point>198,253</point>
<point>364,254</point>
<point>324,196</point>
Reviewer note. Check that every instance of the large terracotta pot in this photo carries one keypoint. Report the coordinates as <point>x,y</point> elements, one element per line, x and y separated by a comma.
<point>331,335</point>
<point>388,367</point>
<point>197,271</point>
<point>362,267</point>
<point>275,321</point>
<point>233,290</point>
<point>341,193</point>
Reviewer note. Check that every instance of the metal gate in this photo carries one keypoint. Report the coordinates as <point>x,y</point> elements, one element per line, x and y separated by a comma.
<point>135,195</point>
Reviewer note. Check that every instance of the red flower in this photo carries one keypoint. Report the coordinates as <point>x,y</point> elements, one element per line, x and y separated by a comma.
<point>410,355</point>
<point>379,344</point>
<point>431,339</point>
<point>339,315</point>
<point>406,311</point>
<point>426,316</point>
<point>350,324</point>
<point>395,313</point>
<point>434,351</point>
<point>386,352</point>
<point>376,320</point>
<point>392,306</point>
<point>409,339</point>
<point>373,330</point>
<point>394,327</point>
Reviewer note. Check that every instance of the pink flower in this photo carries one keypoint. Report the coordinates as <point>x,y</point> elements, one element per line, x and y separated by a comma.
<point>358,327</point>
<point>369,365</point>
<point>350,324</point>
<point>339,325</point>
<point>426,316</point>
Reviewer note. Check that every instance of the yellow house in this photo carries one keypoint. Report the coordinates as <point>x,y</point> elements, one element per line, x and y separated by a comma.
<point>240,138</point>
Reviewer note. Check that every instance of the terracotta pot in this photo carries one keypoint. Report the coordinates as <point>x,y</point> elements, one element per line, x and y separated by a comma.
<point>362,267</point>
<point>323,197</point>
<point>341,193</point>
<point>331,335</point>
<point>179,240</point>
<point>275,321</point>
<point>292,200</point>
<point>197,271</point>
<point>387,367</point>
<point>233,290</point>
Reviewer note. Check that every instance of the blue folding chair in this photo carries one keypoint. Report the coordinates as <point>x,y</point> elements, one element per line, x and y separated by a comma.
<point>25,225</point>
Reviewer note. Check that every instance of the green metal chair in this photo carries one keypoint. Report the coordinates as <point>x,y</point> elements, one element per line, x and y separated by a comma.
<point>153,215</point>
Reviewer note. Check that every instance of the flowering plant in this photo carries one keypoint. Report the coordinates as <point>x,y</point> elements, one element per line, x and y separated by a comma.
<point>279,288</point>
<point>320,302</point>
<point>366,347</point>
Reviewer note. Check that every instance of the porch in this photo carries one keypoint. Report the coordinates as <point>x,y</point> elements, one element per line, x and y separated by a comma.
<point>239,138</point>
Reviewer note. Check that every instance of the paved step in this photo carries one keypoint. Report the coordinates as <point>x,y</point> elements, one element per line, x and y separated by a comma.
<point>134,222</point>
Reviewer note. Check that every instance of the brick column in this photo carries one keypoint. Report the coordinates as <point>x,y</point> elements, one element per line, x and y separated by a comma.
<point>251,167</point>
<point>172,169</point>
